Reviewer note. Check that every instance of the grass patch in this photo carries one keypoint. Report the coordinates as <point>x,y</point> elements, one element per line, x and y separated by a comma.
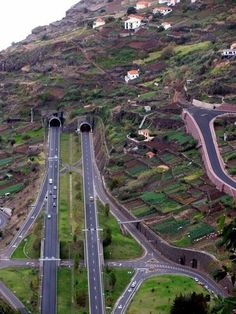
<point>30,246</point>
<point>115,281</point>
<point>156,295</point>
<point>24,282</point>
<point>72,291</point>
<point>121,246</point>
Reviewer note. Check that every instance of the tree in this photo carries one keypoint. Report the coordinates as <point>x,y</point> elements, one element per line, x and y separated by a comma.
<point>131,10</point>
<point>229,236</point>
<point>107,210</point>
<point>193,303</point>
<point>107,237</point>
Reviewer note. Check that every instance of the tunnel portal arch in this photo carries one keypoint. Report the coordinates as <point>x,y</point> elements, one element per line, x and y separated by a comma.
<point>85,127</point>
<point>54,122</point>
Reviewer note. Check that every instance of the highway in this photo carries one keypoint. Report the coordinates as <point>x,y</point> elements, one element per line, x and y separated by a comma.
<point>203,118</point>
<point>3,219</point>
<point>50,258</point>
<point>95,287</point>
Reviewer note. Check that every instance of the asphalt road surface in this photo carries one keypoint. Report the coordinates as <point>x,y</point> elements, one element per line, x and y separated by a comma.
<point>12,299</point>
<point>96,301</point>
<point>51,248</point>
<point>203,118</point>
<point>161,269</point>
<point>3,219</point>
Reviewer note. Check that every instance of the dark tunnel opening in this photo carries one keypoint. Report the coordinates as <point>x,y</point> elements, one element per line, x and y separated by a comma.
<point>54,122</point>
<point>85,127</point>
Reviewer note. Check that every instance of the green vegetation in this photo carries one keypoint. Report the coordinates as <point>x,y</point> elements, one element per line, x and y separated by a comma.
<point>72,291</point>
<point>116,57</point>
<point>24,283</point>
<point>115,281</point>
<point>156,295</point>
<point>121,246</point>
<point>171,225</point>
<point>200,230</point>
<point>30,246</point>
<point>7,309</point>
<point>6,161</point>
<point>12,189</point>
<point>160,200</point>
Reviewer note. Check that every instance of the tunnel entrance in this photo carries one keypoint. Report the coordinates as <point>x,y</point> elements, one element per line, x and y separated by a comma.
<point>55,122</point>
<point>85,127</point>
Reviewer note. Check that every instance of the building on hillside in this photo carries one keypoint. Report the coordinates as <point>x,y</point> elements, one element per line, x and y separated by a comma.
<point>172,2</point>
<point>131,75</point>
<point>169,2</point>
<point>150,154</point>
<point>133,22</point>
<point>193,1</point>
<point>229,53</point>
<point>99,22</point>
<point>166,25</point>
<point>233,46</point>
<point>146,134</point>
<point>143,5</point>
<point>162,10</point>
<point>147,108</point>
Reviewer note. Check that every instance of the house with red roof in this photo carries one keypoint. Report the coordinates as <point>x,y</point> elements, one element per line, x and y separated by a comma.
<point>143,5</point>
<point>131,75</point>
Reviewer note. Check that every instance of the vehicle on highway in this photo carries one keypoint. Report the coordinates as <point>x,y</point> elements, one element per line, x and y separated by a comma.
<point>50,192</point>
<point>133,284</point>
<point>50,180</point>
<point>54,204</point>
<point>54,196</point>
<point>120,306</point>
<point>49,216</point>
<point>55,187</point>
<point>91,198</point>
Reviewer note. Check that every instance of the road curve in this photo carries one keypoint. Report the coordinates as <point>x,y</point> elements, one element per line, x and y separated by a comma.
<point>203,117</point>
<point>142,274</point>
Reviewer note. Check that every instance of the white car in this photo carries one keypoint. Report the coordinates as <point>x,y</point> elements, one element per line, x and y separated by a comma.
<point>133,284</point>
<point>120,306</point>
<point>91,198</point>
<point>55,187</point>
<point>49,216</point>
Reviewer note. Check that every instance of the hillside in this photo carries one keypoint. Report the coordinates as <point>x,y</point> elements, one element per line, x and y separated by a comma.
<point>71,67</point>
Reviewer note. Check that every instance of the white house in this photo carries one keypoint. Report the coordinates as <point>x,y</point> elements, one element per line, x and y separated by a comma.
<point>166,25</point>
<point>131,75</point>
<point>172,2</point>
<point>169,2</point>
<point>98,22</point>
<point>162,10</point>
<point>147,108</point>
<point>133,22</point>
<point>146,134</point>
<point>229,52</point>
<point>142,5</point>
